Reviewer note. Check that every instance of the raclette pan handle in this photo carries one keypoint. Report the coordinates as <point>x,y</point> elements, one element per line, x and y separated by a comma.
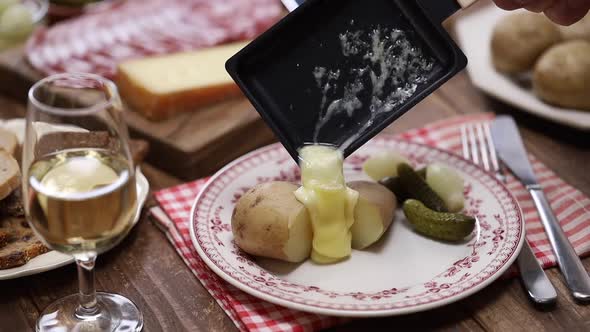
<point>440,10</point>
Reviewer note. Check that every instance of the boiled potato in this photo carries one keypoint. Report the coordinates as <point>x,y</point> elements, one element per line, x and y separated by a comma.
<point>519,39</point>
<point>448,184</point>
<point>373,214</point>
<point>562,75</point>
<point>383,165</point>
<point>578,30</point>
<point>269,221</point>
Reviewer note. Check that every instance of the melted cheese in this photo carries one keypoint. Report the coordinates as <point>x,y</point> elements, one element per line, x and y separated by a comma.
<point>329,201</point>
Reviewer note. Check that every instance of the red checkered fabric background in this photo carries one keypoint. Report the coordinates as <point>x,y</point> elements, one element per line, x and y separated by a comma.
<point>97,41</point>
<point>251,314</point>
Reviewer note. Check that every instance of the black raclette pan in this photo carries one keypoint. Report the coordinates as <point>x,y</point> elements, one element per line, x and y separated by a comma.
<point>277,70</point>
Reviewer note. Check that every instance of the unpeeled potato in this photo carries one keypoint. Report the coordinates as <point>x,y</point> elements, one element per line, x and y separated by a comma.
<point>519,39</point>
<point>373,214</point>
<point>562,75</point>
<point>578,30</point>
<point>269,221</point>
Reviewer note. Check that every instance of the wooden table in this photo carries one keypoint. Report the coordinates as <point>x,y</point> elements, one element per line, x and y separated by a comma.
<point>146,268</point>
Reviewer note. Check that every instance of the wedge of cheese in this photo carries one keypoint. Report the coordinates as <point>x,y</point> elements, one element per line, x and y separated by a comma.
<point>159,87</point>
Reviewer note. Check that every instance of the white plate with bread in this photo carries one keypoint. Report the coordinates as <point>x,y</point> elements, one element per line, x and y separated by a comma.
<point>534,65</point>
<point>27,254</point>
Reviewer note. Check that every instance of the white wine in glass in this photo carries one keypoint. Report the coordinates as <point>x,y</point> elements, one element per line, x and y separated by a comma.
<point>80,191</point>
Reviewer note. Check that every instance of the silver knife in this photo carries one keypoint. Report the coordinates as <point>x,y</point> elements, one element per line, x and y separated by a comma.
<point>511,150</point>
<point>538,286</point>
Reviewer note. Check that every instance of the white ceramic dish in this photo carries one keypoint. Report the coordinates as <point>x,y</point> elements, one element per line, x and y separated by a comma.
<point>52,260</point>
<point>403,273</point>
<point>474,33</point>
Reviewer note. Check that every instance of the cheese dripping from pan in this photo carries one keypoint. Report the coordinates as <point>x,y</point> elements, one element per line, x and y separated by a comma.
<point>328,200</point>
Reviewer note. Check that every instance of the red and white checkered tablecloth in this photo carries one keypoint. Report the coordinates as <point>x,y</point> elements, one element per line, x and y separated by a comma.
<point>571,206</point>
<point>97,41</point>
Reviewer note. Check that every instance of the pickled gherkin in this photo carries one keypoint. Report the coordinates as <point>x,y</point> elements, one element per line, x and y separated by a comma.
<point>439,225</point>
<point>416,187</point>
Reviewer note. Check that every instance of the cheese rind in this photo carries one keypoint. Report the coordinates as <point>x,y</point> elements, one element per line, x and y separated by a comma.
<point>159,87</point>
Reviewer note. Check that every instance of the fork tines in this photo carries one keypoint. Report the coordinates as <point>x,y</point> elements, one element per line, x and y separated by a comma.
<point>478,146</point>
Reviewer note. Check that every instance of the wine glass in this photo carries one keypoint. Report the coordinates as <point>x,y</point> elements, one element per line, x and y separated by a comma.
<point>79,191</point>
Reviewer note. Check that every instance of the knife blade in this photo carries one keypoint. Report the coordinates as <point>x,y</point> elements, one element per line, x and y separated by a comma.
<point>511,149</point>
<point>512,152</point>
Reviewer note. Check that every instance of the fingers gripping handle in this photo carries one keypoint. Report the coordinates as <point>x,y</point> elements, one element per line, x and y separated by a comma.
<point>440,10</point>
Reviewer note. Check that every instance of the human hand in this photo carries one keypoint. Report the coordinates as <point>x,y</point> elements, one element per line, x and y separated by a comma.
<point>564,12</point>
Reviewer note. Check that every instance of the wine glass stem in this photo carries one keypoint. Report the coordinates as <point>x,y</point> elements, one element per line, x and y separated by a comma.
<point>88,305</point>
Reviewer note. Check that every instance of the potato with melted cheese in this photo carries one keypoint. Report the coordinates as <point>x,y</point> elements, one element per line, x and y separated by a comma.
<point>373,214</point>
<point>328,200</point>
<point>269,221</point>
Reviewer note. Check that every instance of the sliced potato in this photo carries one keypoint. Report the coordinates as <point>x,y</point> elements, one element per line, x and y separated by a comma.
<point>373,213</point>
<point>269,221</point>
<point>384,165</point>
<point>448,184</point>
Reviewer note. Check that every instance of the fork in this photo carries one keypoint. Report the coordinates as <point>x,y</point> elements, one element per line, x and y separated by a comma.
<point>478,146</point>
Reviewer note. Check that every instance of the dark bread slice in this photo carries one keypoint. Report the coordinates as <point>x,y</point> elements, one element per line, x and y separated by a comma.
<point>4,238</point>
<point>12,206</point>
<point>22,244</point>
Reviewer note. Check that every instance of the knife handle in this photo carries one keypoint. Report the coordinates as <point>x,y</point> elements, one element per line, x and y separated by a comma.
<point>571,266</point>
<point>538,286</point>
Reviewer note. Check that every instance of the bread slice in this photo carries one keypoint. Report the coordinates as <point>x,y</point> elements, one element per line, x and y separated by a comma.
<point>8,141</point>
<point>21,245</point>
<point>9,174</point>
<point>12,205</point>
<point>4,238</point>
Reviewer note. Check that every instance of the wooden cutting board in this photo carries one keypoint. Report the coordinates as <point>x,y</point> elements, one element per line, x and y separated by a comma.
<point>189,145</point>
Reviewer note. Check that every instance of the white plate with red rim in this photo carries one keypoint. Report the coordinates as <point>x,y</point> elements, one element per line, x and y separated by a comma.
<point>402,273</point>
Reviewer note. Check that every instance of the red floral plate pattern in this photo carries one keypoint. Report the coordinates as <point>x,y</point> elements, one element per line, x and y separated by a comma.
<point>404,272</point>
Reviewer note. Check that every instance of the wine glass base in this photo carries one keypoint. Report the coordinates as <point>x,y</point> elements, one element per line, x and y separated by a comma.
<point>116,313</point>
